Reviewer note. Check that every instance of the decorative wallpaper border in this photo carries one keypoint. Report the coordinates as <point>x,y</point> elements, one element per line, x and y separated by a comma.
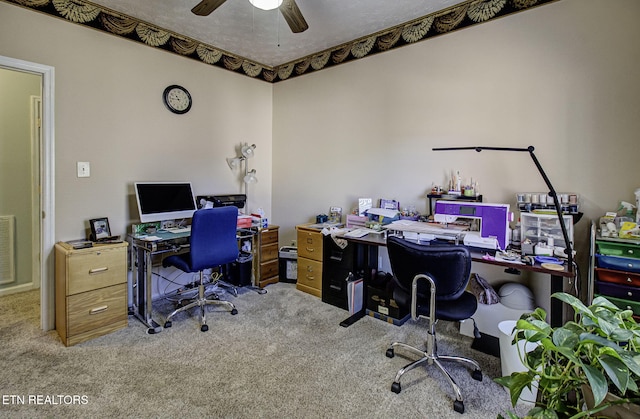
<point>463,15</point>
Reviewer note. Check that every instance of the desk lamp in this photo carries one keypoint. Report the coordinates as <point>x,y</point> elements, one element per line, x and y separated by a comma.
<point>568,250</point>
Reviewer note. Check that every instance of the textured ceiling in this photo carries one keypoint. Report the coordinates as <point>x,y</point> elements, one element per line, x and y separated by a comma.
<point>258,43</point>
<point>264,37</point>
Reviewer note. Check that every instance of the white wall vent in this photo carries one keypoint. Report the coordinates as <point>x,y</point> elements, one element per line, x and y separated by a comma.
<point>7,249</point>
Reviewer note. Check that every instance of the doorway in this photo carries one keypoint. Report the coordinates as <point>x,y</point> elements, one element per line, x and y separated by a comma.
<point>36,257</point>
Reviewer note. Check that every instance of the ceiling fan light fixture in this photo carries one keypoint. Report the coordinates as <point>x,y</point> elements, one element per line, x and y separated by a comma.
<point>266,4</point>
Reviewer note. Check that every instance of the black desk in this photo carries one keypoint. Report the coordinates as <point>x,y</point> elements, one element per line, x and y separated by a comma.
<point>373,241</point>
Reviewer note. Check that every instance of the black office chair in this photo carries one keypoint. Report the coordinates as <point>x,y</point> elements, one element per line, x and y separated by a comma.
<point>212,244</point>
<point>431,281</point>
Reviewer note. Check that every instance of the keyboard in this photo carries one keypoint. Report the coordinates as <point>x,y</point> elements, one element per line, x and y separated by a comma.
<point>177,230</point>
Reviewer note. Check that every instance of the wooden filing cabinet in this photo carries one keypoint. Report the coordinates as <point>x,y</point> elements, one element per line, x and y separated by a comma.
<point>310,249</point>
<point>91,291</point>
<point>268,256</point>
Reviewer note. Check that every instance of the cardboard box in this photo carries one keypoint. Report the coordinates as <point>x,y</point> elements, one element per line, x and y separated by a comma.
<point>244,221</point>
<point>397,322</point>
<point>380,300</point>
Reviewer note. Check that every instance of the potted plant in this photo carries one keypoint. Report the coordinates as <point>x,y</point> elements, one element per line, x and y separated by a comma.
<point>598,353</point>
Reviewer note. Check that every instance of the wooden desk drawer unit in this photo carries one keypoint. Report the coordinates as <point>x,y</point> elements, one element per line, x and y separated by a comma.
<point>91,291</point>
<point>310,244</point>
<point>310,276</point>
<point>268,254</point>
<point>310,248</point>
<point>91,310</point>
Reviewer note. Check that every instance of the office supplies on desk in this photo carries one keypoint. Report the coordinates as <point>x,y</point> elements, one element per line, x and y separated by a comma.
<point>361,232</point>
<point>383,215</point>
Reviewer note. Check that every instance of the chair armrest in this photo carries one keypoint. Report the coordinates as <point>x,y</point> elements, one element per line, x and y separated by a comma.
<point>414,295</point>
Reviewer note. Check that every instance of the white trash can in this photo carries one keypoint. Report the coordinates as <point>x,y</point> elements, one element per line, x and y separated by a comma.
<point>510,359</point>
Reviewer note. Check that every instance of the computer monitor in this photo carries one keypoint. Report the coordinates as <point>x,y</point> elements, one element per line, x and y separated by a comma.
<point>160,201</point>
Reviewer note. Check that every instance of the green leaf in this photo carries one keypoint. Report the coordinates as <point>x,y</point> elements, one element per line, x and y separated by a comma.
<point>631,360</point>
<point>597,382</point>
<point>621,335</point>
<point>598,340</point>
<point>574,302</point>
<point>603,302</point>
<point>565,337</point>
<point>542,413</point>
<point>518,382</point>
<point>616,370</point>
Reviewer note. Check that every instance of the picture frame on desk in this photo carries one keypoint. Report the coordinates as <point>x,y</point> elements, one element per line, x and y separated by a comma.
<point>100,229</point>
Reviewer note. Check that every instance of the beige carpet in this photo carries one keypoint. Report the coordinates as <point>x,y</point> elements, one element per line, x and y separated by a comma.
<point>283,356</point>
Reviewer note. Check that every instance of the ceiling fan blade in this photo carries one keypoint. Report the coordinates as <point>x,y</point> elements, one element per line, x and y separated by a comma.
<point>293,16</point>
<point>205,7</point>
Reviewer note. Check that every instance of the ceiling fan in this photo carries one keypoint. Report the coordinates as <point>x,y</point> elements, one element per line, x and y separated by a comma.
<point>288,8</point>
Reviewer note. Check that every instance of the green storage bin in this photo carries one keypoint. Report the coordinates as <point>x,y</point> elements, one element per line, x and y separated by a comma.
<point>618,249</point>
<point>625,304</point>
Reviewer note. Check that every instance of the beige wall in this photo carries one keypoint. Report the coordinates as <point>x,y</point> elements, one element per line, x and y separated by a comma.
<point>109,112</point>
<point>562,77</point>
<point>16,89</point>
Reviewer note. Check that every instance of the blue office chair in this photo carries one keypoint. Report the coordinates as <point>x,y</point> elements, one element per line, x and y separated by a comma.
<point>212,244</point>
<point>430,281</point>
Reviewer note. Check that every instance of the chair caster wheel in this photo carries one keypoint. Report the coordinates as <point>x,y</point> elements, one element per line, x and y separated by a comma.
<point>395,387</point>
<point>234,312</point>
<point>390,353</point>
<point>477,375</point>
<point>204,328</point>
<point>167,325</point>
<point>458,406</point>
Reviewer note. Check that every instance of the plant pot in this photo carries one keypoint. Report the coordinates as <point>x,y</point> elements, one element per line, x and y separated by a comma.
<point>617,411</point>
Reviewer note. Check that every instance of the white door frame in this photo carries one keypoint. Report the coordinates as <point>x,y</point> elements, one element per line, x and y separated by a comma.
<point>47,176</point>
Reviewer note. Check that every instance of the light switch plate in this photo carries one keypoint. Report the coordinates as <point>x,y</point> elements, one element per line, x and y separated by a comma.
<point>84,169</point>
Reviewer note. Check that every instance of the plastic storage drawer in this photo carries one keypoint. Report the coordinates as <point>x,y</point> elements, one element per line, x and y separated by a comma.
<point>625,304</point>
<point>618,291</point>
<point>618,249</point>
<point>618,277</point>
<point>618,263</point>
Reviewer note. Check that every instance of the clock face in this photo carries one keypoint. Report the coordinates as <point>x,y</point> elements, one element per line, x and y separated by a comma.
<point>177,99</point>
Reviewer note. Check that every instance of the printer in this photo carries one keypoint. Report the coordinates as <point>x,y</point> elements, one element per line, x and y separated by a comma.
<point>210,201</point>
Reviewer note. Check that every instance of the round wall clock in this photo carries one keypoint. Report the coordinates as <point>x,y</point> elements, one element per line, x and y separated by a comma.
<point>177,99</point>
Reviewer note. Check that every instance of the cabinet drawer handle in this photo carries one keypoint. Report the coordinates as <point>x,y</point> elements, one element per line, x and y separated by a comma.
<point>311,277</point>
<point>98,270</point>
<point>98,309</point>
<point>310,249</point>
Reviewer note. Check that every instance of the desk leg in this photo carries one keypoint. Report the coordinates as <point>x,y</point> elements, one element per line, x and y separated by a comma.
<point>364,259</point>
<point>142,303</point>
<point>556,315</point>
